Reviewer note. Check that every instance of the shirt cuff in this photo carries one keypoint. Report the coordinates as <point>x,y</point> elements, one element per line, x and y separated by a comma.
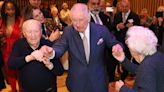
<point>53,55</point>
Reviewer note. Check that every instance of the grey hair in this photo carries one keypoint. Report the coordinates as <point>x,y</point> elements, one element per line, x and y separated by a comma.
<point>142,40</point>
<point>80,8</point>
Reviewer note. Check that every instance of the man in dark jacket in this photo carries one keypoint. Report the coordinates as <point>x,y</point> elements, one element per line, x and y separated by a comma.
<point>36,74</point>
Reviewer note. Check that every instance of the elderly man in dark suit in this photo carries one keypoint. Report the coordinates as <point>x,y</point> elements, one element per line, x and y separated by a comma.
<point>142,44</point>
<point>122,21</point>
<point>85,42</point>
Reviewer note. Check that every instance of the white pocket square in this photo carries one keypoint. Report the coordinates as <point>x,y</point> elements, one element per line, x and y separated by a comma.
<point>100,41</point>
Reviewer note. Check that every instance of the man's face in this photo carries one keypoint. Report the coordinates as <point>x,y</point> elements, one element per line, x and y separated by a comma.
<point>80,22</point>
<point>35,3</point>
<point>94,5</point>
<point>33,34</point>
<point>65,6</point>
<point>125,7</point>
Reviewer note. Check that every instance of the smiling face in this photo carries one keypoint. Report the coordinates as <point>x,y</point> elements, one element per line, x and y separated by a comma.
<point>80,17</point>
<point>80,22</point>
<point>38,15</point>
<point>32,32</point>
<point>125,6</point>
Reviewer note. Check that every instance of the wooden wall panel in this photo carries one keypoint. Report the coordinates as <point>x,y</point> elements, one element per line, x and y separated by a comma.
<point>23,3</point>
<point>151,5</point>
<point>136,5</point>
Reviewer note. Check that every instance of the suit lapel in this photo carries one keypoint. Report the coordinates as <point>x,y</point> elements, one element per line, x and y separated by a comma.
<point>79,45</point>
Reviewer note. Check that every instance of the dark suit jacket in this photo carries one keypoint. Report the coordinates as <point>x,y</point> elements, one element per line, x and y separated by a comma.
<point>34,76</point>
<point>83,77</point>
<point>109,60</point>
<point>105,20</point>
<point>149,74</point>
<point>120,35</point>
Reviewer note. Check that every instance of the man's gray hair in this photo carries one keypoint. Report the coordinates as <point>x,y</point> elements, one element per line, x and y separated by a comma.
<point>142,40</point>
<point>80,7</point>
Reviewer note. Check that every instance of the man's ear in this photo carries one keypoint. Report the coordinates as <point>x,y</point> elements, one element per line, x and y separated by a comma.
<point>24,34</point>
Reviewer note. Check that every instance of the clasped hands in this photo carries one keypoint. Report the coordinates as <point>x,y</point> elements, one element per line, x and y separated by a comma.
<point>44,54</point>
<point>118,54</point>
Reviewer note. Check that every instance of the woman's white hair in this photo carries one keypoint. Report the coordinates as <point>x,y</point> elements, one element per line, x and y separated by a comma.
<point>142,40</point>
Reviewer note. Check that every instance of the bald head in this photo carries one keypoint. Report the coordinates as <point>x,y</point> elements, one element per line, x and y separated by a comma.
<point>31,24</point>
<point>32,31</point>
<point>125,5</point>
<point>79,9</point>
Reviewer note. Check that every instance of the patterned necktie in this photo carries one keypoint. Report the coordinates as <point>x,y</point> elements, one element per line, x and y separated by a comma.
<point>86,47</point>
<point>97,19</point>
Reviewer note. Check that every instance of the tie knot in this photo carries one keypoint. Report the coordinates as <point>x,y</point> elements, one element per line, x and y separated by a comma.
<point>84,34</point>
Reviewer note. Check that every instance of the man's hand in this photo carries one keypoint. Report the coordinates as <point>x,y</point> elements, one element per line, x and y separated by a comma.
<point>47,63</point>
<point>55,35</point>
<point>47,51</point>
<point>129,25</point>
<point>38,55</point>
<point>118,53</point>
<point>118,85</point>
<point>120,26</point>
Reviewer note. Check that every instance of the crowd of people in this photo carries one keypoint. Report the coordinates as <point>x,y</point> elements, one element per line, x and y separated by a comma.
<point>99,39</point>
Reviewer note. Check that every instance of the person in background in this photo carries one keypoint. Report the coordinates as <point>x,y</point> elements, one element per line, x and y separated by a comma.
<point>65,15</point>
<point>49,31</point>
<point>55,17</point>
<point>42,5</point>
<point>150,71</point>
<point>35,3</point>
<point>145,19</point>
<point>2,83</point>
<point>158,27</point>
<point>102,5</point>
<point>36,74</point>
<point>122,21</point>
<point>46,9</point>
<point>101,18</point>
<point>85,42</point>
<point>98,16</point>
<point>1,3</point>
<point>10,26</point>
